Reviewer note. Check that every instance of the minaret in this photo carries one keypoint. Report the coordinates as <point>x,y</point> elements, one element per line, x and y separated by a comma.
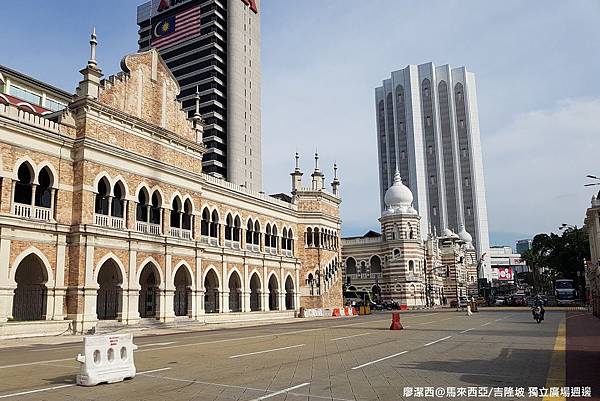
<point>89,86</point>
<point>296,176</point>
<point>318,178</point>
<point>335,184</point>
<point>197,118</point>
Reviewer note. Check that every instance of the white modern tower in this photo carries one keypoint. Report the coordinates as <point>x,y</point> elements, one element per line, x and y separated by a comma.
<point>428,127</point>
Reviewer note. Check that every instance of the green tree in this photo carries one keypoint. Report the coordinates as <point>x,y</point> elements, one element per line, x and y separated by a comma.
<point>555,256</point>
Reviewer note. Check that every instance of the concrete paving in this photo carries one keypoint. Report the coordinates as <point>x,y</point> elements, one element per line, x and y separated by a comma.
<point>338,360</point>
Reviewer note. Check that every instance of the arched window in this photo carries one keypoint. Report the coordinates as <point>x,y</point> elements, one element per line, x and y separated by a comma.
<point>309,237</point>
<point>256,233</point>
<point>317,237</point>
<point>363,267</point>
<point>102,197</point>
<point>205,222</point>
<point>214,224</point>
<point>43,192</point>
<point>187,215</point>
<point>237,228</point>
<point>249,229</point>
<point>411,266</point>
<point>290,241</point>
<point>284,239</point>
<point>118,200</point>
<point>141,210</point>
<point>268,235</point>
<point>176,213</point>
<point>274,237</point>
<point>375,264</point>
<point>155,208</point>
<point>229,227</point>
<point>350,265</point>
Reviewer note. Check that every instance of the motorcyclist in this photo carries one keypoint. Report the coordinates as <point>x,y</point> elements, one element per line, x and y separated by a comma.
<point>538,301</point>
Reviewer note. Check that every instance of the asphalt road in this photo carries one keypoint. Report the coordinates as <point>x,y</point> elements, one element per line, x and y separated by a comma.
<point>343,359</point>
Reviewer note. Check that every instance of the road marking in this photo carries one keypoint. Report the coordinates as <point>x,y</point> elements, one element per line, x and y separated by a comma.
<point>269,350</point>
<point>464,331</point>
<point>557,370</point>
<point>485,324</point>
<point>16,365</point>
<point>379,360</point>
<point>157,344</point>
<point>152,371</point>
<point>581,314</point>
<point>285,390</point>
<point>40,390</point>
<point>328,398</point>
<point>356,335</point>
<point>437,341</point>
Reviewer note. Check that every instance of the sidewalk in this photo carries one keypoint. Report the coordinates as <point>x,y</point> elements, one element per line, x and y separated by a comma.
<point>141,331</point>
<point>583,352</point>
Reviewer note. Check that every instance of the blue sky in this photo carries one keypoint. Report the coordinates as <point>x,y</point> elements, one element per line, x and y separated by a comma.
<point>535,64</point>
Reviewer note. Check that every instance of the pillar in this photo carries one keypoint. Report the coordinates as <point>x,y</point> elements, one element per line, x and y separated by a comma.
<point>167,312</point>
<point>224,293</point>
<point>131,296</point>
<point>246,291</point>
<point>198,294</point>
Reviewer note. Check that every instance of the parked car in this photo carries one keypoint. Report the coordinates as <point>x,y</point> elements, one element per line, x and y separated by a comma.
<point>462,302</point>
<point>499,301</point>
<point>518,300</point>
<point>481,301</point>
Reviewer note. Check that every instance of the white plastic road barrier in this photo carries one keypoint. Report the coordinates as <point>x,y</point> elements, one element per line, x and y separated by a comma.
<point>106,359</point>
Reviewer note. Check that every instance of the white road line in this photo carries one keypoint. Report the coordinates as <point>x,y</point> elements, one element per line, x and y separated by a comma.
<point>152,371</point>
<point>485,324</point>
<point>16,365</point>
<point>342,338</point>
<point>581,314</point>
<point>379,360</point>
<point>464,331</point>
<point>157,344</point>
<point>269,350</point>
<point>437,341</point>
<point>40,390</point>
<point>328,398</point>
<point>285,390</point>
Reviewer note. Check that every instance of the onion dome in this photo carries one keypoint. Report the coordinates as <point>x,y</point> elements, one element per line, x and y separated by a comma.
<point>465,236</point>
<point>398,197</point>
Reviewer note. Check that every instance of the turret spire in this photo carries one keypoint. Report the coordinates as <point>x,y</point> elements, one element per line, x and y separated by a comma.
<point>93,44</point>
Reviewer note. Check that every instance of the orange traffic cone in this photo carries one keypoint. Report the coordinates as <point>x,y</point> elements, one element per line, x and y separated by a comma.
<point>396,325</point>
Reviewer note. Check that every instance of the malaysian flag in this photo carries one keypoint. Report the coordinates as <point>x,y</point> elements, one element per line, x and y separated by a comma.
<point>177,28</point>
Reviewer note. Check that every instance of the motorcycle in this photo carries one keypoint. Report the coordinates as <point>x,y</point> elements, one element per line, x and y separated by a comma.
<point>537,314</point>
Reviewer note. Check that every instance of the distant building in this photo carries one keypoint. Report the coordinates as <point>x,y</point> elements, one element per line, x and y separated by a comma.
<point>29,94</point>
<point>428,128</point>
<point>592,272</point>
<point>398,265</point>
<point>505,264</point>
<point>523,245</point>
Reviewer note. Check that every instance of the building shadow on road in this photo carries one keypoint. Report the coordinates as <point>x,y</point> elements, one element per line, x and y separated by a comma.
<point>513,367</point>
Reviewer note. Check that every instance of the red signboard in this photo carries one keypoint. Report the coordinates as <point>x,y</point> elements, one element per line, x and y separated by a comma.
<point>505,274</point>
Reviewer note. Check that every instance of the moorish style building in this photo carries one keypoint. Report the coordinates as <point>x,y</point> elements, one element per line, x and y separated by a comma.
<point>397,265</point>
<point>106,214</point>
